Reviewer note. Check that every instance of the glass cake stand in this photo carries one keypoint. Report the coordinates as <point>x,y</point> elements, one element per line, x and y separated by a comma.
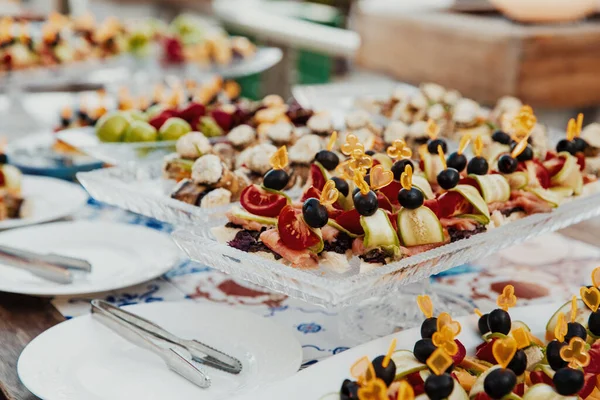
<point>15,117</point>
<point>380,300</point>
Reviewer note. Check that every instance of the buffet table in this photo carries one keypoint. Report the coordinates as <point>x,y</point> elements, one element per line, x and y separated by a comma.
<point>544,270</point>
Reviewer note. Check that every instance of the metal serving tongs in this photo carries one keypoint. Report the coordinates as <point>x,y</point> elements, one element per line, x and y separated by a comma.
<point>53,267</point>
<point>199,352</point>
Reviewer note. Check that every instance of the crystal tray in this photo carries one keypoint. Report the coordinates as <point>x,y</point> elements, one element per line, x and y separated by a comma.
<point>86,141</point>
<point>323,287</point>
<point>142,189</point>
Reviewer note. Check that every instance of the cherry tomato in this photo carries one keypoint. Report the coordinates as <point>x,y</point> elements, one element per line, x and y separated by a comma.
<point>453,203</point>
<point>384,202</point>
<point>433,205</point>
<point>293,231</point>
<point>391,191</point>
<point>554,165</point>
<point>350,220</point>
<point>317,178</point>
<point>309,193</point>
<point>258,201</point>
<point>581,161</point>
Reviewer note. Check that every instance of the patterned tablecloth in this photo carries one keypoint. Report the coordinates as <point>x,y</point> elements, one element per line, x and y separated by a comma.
<point>548,269</point>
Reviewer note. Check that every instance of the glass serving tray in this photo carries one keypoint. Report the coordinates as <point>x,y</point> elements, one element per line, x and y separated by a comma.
<point>142,189</point>
<point>85,140</point>
<point>332,290</point>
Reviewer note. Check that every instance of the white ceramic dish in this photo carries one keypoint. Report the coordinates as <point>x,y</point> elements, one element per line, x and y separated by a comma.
<point>121,255</point>
<point>46,199</point>
<point>83,359</point>
<point>327,376</point>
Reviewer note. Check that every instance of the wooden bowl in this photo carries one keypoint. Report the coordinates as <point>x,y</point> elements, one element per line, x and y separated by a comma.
<point>546,11</point>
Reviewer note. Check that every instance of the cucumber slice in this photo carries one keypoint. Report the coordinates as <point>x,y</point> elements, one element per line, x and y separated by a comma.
<point>238,212</point>
<point>517,180</point>
<point>563,192</point>
<point>432,166</point>
<point>493,187</point>
<point>570,175</point>
<point>421,183</point>
<point>384,160</point>
<point>333,224</point>
<point>419,226</point>
<point>317,248</point>
<point>482,219</point>
<point>458,393</point>
<point>519,324</point>
<point>478,385</point>
<point>380,233</point>
<point>583,314</point>
<point>406,363</point>
<point>552,198</point>
<point>472,195</point>
<point>541,391</point>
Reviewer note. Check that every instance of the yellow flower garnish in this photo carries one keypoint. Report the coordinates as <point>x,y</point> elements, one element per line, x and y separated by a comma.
<point>573,308</point>
<point>389,353</point>
<point>442,156</point>
<point>332,140</point>
<point>591,297</point>
<point>406,392</point>
<point>425,305</point>
<point>520,147</point>
<point>507,299</point>
<point>504,350</point>
<point>330,194</point>
<point>279,159</point>
<point>596,276</point>
<point>561,328</point>
<point>444,319</point>
<point>406,177</point>
<point>432,129</point>
<point>464,142</point>
<point>522,338</point>
<point>439,361</point>
<point>399,149</point>
<point>361,184</point>
<point>444,339</point>
<point>351,145</point>
<point>575,353</point>
<point>478,146</point>
<point>373,390</point>
<point>380,177</point>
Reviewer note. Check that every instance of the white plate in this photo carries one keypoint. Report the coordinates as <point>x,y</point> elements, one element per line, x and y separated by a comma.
<point>327,376</point>
<point>47,199</point>
<point>83,359</point>
<point>121,255</point>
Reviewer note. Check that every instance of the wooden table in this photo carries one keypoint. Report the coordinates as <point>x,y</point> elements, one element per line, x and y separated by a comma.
<point>484,55</point>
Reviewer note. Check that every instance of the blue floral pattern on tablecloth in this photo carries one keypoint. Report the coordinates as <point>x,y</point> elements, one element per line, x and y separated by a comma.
<point>317,329</point>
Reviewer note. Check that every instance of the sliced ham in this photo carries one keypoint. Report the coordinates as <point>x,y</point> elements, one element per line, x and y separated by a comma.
<point>529,202</point>
<point>298,258</point>
<point>329,233</point>
<point>461,224</point>
<point>358,246</point>
<point>244,223</point>
<point>413,250</point>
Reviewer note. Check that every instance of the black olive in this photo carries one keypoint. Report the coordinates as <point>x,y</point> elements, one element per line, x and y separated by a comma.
<point>428,328</point>
<point>477,166</point>
<point>507,164</point>
<point>565,145</point>
<point>568,381</point>
<point>328,159</point>
<point>553,355</point>
<point>423,349</point>
<point>3,158</point>
<point>349,390</point>
<point>366,204</point>
<point>314,213</point>
<point>432,146</point>
<point>386,374</point>
<point>499,383</point>
<point>526,155</point>
<point>519,363</point>
<point>594,323</point>
<point>411,199</point>
<point>399,167</point>
<point>439,387</point>
<point>448,178</point>
<point>482,324</point>
<point>501,137</point>
<point>575,329</point>
<point>370,152</point>
<point>341,185</point>
<point>580,144</point>
<point>457,161</point>
<point>499,321</point>
<point>276,179</point>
